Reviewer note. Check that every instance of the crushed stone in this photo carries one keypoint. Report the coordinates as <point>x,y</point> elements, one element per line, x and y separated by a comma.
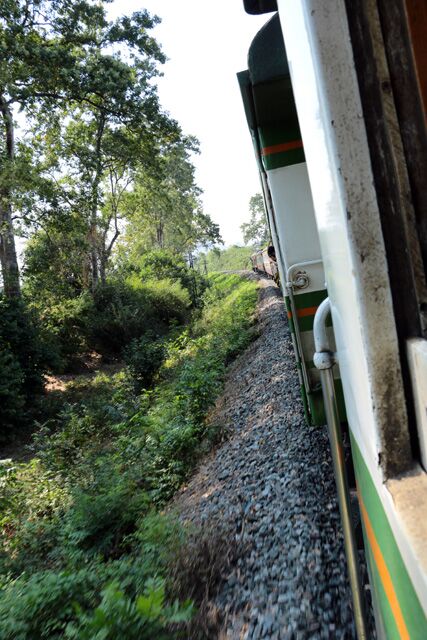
<point>271,486</point>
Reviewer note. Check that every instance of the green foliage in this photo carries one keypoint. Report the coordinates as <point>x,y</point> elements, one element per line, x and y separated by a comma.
<point>167,265</point>
<point>232,259</point>
<point>144,357</point>
<point>82,542</point>
<point>106,508</point>
<point>65,324</point>
<point>256,231</point>
<point>12,396</point>
<point>114,600</point>
<point>23,360</point>
<point>119,617</point>
<point>125,311</point>
<point>55,261</point>
<point>85,86</point>
<point>32,501</point>
<point>173,431</point>
<point>107,320</point>
<point>39,607</point>
<point>164,209</point>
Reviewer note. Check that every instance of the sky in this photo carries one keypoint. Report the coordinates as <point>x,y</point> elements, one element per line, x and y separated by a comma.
<point>206,44</point>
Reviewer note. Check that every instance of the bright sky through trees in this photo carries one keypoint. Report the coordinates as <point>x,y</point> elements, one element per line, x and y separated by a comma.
<point>207,44</point>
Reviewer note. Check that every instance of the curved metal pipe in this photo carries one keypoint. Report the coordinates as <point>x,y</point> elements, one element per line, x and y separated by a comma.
<point>324,359</point>
<point>321,342</point>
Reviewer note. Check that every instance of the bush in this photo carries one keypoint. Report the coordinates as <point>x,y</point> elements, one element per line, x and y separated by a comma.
<point>119,618</point>
<point>99,601</point>
<point>144,357</point>
<point>106,508</point>
<point>162,264</point>
<point>39,607</point>
<point>168,301</point>
<point>125,311</point>
<point>32,502</point>
<point>23,361</point>
<point>173,431</point>
<point>117,313</point>
<point>231,259</point>
<point>12,396</point>
<point>65,326</point>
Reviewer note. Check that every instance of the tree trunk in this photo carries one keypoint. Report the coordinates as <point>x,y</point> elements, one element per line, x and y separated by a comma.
<point>94,232</point>
<point>94,258</point>
<point>160,235</point>
<point>103,268</point>
<point>8,258</point>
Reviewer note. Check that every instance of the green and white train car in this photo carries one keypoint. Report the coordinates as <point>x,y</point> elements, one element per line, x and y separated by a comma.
<point>273,122</point>
<point>335,97</point>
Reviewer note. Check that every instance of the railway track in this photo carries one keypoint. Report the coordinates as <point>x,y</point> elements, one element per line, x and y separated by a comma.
<point>271,486</point>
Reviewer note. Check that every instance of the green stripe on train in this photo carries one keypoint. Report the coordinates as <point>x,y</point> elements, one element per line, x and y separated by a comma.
<point>308,300</point>
<point>413,614</point>
<point>273,135</point>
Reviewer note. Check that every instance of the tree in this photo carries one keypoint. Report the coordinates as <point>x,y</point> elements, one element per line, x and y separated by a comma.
<point>256,231</point>
<point>64,59</point>
<point>164,209</point>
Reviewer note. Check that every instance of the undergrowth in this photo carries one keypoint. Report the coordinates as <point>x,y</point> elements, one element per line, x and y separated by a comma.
<point>86,551</point>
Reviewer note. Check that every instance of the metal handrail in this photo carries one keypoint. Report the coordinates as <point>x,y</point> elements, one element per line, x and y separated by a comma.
<point>324,359</point>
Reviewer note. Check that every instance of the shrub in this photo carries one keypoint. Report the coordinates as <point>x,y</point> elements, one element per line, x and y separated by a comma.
<point>12,396</point>
<point>73,602</point>
<point>118,617</point>
<point>100,600</point>
<point>233,258</point>
<point>106,508</point>
<point>124,311</point>
<point>144,357</point>
<point>105,464</point>
<point>65,327</point>
<point>174,428</point>
<point>32,502</point>
<point>23,361</point>
<point>162,264</point>
<point>39,607</point>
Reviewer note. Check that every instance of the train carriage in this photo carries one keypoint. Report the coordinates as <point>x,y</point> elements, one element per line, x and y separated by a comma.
<point>262,262</point>
<point>272,119</point>
<point>355,75</point>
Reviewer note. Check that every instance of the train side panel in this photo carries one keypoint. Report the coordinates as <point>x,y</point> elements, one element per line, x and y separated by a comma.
<point>273,122</point>
<point>392,486</point>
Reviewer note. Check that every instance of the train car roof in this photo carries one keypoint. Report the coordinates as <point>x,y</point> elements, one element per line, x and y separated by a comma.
<point>267,56</point>
<point>267,96</point>
<point>256,7</point>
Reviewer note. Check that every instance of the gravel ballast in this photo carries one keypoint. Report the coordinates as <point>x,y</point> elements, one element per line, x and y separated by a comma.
<point>271,487</point>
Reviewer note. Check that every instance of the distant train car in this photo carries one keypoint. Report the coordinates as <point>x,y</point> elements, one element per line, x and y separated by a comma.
<point>258,262</point>
<point>335,97</point>
<point>264,262</point>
